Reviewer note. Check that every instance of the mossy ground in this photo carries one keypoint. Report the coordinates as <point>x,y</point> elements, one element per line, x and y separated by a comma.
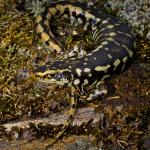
<point>23,98</point>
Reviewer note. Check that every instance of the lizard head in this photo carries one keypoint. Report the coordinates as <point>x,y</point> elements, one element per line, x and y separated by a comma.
<point>54,73</point>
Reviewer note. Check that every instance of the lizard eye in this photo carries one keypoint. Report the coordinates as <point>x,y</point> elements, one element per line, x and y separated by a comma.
<point>63,77</point>
<point>59,76</point>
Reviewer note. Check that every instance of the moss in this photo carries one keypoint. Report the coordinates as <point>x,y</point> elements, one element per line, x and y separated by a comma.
<point>143,50</point>
<point>22,97</point>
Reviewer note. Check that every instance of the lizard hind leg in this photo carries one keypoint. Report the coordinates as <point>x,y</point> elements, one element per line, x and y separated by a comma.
<point>68,121</point>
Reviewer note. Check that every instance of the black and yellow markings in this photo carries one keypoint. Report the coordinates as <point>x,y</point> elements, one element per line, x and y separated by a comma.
<point>76,81</point>
<point>116,64</point>
<point>102,68</point>
<point>87,69</point>
<point>113,48</point>
<point>79,71</point>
